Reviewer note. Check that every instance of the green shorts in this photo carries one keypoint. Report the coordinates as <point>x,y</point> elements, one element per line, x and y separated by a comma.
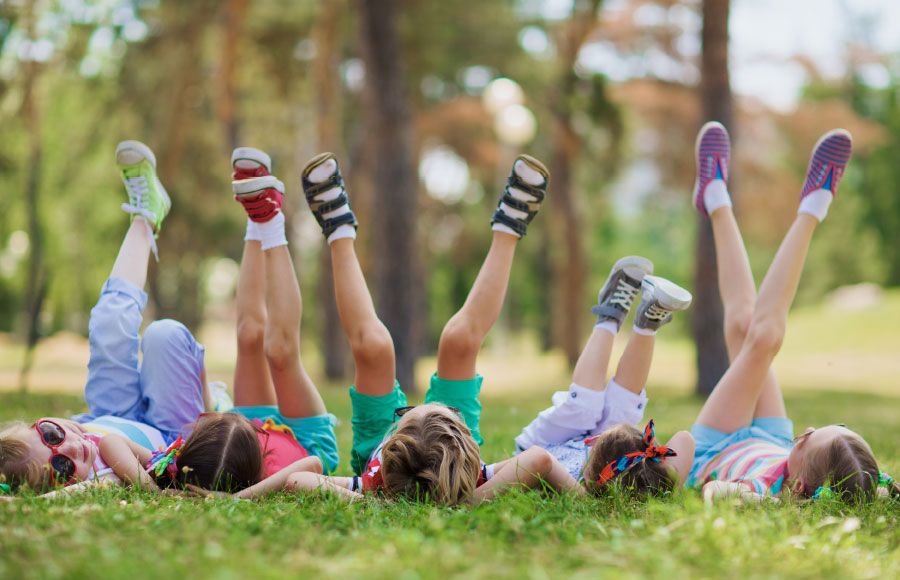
<point>315,434</point>
<point>374,416</point>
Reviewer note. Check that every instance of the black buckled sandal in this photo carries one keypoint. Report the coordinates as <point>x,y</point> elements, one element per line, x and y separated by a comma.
<point>520,225</point>
<point>321,208</point>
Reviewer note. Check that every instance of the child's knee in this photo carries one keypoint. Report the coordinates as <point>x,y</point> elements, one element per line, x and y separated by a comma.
<point>459,340</point>
<point>166,333</point>
<point>372,345</point>
<point>737,322</point>
<point>765,335</point>
<point>250,335</point>
<point>282,349</point>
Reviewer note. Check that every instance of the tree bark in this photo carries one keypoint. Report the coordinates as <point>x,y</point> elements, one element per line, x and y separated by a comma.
<point>235,14</point>
<point>715,91</point>
<point>396,276</point>
<point>36,285</point>
<point>328,128</point>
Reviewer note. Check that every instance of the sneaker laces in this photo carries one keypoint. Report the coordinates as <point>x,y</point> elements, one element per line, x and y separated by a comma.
<point>624,294</point>
<point>138,190</point>
<point>656,312</point>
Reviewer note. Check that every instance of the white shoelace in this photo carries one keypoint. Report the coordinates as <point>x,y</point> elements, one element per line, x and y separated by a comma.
<point>139,203</point>
<point>656,312</point>
<point>624,294</point>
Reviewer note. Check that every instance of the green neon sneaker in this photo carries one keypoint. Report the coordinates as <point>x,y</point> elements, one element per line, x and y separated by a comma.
<point>146,195</point>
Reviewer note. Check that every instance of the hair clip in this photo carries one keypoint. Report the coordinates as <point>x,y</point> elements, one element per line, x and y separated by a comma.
<point>823,491</point>
<point>164,460</point>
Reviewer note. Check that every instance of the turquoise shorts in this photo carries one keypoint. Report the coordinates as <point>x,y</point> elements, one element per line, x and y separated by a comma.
<point>710,442</point>
<point>374,416</point>
<point>315,434</point>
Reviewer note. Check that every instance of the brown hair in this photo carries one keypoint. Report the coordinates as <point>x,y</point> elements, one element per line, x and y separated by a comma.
<point>17,466</point>
<point>434,458</point>
<point>644,477</point>
<point>846,466</point>
<point>222,453</point>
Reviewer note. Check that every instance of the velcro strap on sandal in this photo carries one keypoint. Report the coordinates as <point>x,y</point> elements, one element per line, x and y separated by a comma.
<point>331,224</point>
<point>516,182</point>
<point>323,207</point>
<point>313,189</point>
<point>609,311</point>
<point>529,207</point>
<point>518,226</point>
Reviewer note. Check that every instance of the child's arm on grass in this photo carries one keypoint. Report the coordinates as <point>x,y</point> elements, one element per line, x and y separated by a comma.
<point>529,469</point>
<point>683,444</point>
<point>82,486</point>
<point>715,490</point>
<point>308,481</point>
<point>127,460</point>
<point>279,481</point>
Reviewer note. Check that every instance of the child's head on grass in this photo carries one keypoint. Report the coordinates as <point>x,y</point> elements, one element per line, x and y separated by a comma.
<point>47,453</point>
<point>838,459</point>
<point>222,453</point>
<point>650,475</point>
<point>431,456</point>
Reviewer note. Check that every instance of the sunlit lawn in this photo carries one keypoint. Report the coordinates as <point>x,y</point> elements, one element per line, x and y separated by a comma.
<point>121,533</point>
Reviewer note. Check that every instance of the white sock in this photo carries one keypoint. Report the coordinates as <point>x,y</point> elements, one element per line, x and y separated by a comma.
<point>271,233</point>
<point>611,326</point>
<point>716,196</point>
<point>816,203</point>
<point>529,176</point>
<point>644,331</point>
<point>252,231</point>
<point>319,174</point>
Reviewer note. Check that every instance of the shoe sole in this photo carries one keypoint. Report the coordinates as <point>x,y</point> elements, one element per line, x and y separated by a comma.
<point>133,152</point>
<point>706,126</point>
<point>670,296</point>
<point>843,132</point>
<point>536,165</point>
<point>250,187</point>
<point>316,161</point>
<point>250,158</point>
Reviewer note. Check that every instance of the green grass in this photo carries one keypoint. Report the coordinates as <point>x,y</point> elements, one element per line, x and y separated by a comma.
<point>121,533</point>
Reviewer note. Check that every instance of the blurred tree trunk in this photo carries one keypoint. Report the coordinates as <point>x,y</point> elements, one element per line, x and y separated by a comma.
<point>235,14</point>
<point>715,90</point>
<point>180,47</point>
<point>569,273</point>
<point>326,79</point>
<point>36,285</point>
<point>394,261</point>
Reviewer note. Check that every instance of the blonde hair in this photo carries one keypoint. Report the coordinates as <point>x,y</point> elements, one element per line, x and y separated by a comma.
<point>846,466</point>
<point>17,466</point>
<point>645,477</point>
<point>431,457</point>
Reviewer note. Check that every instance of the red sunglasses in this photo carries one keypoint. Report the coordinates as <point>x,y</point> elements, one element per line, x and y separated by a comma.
<point>52,436</point>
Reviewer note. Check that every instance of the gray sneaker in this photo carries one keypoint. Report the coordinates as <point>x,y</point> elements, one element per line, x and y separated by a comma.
<point>618,294</point>
<point>659,299</point>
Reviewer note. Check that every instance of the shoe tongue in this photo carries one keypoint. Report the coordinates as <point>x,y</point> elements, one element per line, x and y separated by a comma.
<point>131,170</point>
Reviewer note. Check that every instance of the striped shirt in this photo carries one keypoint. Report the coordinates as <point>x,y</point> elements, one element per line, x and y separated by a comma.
<point>756,463</point>
<point>144,435</point>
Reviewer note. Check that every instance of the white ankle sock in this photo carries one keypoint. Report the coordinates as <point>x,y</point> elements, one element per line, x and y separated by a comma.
<point>271,233</point>
<point>610,326</point>
<point>252,231</point>
<point>716,196</point>
<point>644,331</point>
<point>319,174</point>
<point>529,176</point>
<point>816,203</point>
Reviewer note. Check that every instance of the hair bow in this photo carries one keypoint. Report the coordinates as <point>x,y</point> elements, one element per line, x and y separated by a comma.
<point>164,460</point>
<point>652,452</point>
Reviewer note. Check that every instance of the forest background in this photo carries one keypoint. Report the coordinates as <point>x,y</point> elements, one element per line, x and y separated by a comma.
<point>425,103</point>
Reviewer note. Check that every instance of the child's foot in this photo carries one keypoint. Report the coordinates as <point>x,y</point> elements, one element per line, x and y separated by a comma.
<point>146,195</point>
<point>261,197</point>
<point>327,198</point>
<point>659,299</point>
<point>829,160</point>
<point>713,149</point>
<point>617,295</point>
<point>249,162</point>
<point>522,197</point>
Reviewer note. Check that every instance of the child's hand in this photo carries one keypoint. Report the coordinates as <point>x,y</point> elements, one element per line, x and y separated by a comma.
<point>190,489</point>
